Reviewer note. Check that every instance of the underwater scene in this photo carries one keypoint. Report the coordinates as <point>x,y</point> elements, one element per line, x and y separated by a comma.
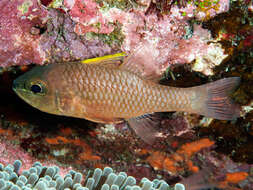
<point>126,94</point>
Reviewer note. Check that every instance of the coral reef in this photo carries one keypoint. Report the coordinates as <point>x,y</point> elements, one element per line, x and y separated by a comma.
<point>22,22</point>
<point>58,31</point>
<point>30,33</point>
<point>193,41</point>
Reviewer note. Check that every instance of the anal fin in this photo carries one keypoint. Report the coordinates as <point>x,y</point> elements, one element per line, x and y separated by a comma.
<point>145,127</point>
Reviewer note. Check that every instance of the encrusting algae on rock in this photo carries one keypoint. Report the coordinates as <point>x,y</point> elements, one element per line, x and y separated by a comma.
<point>105,90</point>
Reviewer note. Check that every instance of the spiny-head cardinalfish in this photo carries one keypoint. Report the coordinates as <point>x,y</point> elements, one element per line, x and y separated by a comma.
<point>104,91</point>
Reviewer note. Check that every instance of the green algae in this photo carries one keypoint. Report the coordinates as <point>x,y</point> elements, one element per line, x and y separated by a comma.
<point>206,4</point>
<point>56,4</point>
<point>25,7</point>
<point>113,39</point>
<point>120,4</point>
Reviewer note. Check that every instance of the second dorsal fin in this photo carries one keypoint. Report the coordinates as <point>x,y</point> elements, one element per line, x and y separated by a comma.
<point>142,61</point>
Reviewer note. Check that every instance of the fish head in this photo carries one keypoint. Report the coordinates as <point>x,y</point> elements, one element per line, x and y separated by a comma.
<point>38,87</point>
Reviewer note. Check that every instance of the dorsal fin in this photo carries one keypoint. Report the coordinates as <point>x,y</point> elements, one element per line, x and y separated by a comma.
<point>114,60</point>
<point>140,62</point>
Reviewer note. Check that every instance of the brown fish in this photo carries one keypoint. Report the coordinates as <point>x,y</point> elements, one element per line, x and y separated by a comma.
<point>106,91</point>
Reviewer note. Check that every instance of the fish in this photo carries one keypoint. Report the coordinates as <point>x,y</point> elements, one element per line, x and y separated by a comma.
<point>112,89</point>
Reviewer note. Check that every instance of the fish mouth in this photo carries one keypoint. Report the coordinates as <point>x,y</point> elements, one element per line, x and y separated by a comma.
<point>16,87</point>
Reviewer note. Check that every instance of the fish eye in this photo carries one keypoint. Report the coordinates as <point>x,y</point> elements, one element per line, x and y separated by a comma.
<point>36,88</point>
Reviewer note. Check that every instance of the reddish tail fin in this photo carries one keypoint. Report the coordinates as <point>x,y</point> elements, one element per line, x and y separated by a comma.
<point>213,99</point>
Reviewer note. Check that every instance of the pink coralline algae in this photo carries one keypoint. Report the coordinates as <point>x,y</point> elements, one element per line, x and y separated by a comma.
<point>74,30</point>
<point>61,43</point>
<point>9,153</point>
<point>20,25</point>
<point>31,33</point>
<point>156,42</point>
<point>87,16</point>
<point>170,41</point>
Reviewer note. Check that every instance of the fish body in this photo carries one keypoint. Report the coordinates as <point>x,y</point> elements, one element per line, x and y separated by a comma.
<point>99,93</point>
<point>108,94</point>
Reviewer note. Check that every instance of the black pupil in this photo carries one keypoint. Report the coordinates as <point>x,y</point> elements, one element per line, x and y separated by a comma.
<point>36,88</point>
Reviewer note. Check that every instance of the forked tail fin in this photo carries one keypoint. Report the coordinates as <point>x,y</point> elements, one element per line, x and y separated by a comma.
<point>212,99</point>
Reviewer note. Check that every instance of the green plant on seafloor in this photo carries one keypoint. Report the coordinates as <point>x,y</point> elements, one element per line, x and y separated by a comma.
<point>48,178</point>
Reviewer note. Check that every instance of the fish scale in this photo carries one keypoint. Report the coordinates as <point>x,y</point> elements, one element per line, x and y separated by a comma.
<point>121,89</point>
